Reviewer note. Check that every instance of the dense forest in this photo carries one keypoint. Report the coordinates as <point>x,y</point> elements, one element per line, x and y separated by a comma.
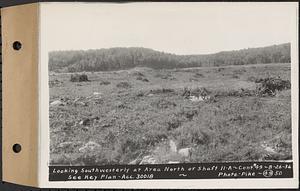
<point>126,58</point>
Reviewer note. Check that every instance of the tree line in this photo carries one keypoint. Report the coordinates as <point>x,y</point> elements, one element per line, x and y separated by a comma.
<point>126,58</point>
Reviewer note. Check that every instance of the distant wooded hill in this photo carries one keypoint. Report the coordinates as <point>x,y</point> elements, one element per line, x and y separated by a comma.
<point>126,58</point>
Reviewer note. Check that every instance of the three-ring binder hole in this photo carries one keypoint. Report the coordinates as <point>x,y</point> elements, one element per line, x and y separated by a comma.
<point>17,45</point>
<point>17,148</point>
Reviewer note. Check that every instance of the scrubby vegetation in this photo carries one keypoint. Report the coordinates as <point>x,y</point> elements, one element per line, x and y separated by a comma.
<point>79,78</point>
<point>117,119</point>
<point>127,58</point>
<point>269,86</point>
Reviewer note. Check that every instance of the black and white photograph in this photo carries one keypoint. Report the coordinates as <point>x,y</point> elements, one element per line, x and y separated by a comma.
<point>169,83</point>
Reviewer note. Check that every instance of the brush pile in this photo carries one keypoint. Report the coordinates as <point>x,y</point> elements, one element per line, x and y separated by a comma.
<point>269,86</point>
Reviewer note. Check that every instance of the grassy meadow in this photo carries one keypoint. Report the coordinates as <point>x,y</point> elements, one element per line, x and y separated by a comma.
<point>128,116</point>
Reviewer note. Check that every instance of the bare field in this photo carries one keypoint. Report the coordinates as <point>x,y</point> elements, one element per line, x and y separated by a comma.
<point>146,116</point>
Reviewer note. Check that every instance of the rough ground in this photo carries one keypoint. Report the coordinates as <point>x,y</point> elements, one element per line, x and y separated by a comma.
<point>143,116</point>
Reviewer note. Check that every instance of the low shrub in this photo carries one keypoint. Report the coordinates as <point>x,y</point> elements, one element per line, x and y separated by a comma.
<point>198,75</point>
<point>142,79</point>
<point>165,76</point>
<point>105,83</point>
<point>173,124</point>
<point>269,86</point>
<point>235,93</point>
<point>125,85</point>
<point>139,74</point>
<point>200,91</point>
<point>239,71</point>
<point>55,83</point>
<point>162,91</point>
<point>219,69</point>
<point>79,78</point>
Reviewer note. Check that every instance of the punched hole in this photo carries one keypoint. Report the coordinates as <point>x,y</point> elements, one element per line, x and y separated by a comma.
<point>17,45</point>
<point>17,148</point>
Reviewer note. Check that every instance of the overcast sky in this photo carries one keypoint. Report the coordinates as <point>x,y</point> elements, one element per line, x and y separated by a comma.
<point>181,28</point>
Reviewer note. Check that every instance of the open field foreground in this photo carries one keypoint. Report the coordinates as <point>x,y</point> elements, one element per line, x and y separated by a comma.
<point>147,116</point>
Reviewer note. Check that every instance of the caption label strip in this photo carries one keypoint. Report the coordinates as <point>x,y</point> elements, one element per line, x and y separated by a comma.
<point>172,171</point>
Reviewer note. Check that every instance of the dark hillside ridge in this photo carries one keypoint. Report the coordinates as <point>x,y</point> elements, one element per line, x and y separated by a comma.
<point>126,58</point>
